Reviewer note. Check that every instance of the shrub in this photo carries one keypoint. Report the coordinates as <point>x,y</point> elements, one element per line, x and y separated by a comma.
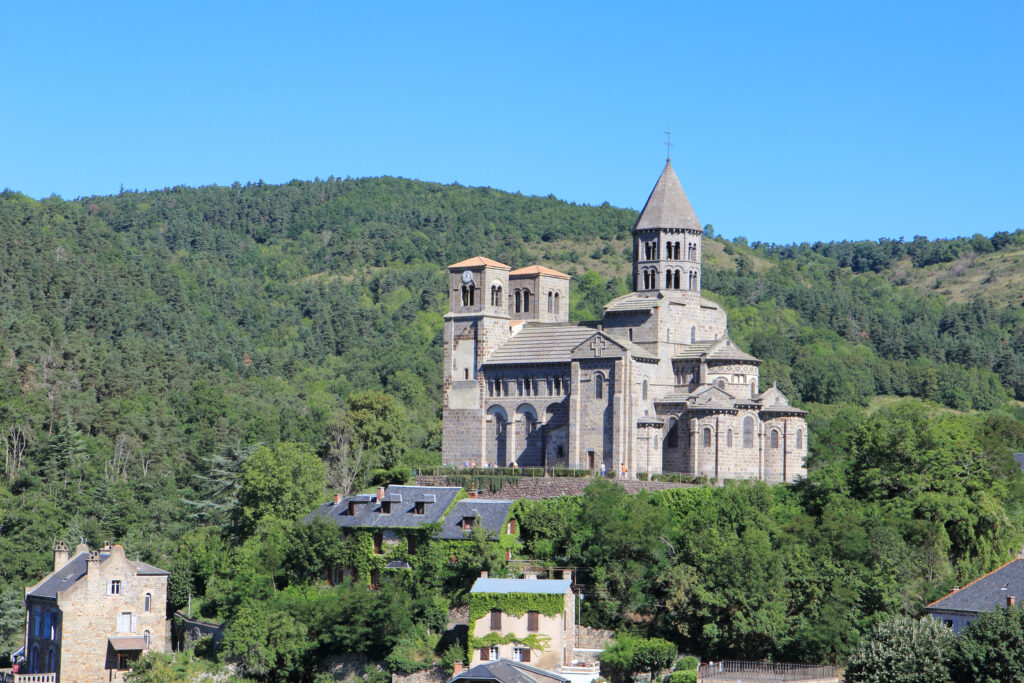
<point>902,650</point>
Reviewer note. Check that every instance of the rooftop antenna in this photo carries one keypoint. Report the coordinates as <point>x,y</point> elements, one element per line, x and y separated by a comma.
<point>668,145</point>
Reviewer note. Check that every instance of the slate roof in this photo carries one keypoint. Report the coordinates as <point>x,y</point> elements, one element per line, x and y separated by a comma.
<point>634,301</point>
<point>539,270</point>
<point>548,586</point>
<point>506,671</point>
<point>668,206</point>
<point>540,343</point>
<point>75,569</point>
<point>986,593</point>
<point>723,349</point>
<point>635,349</point>
<point>368,509</point>
<point>477,262</point>
<point>491,513</point>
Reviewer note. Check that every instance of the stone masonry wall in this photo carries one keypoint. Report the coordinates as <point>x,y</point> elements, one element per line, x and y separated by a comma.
<point>538,488</point>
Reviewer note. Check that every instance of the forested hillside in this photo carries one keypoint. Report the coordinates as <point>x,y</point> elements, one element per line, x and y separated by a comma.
<point>150,341</point>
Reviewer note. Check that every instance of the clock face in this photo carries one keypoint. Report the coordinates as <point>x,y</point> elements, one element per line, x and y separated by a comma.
<point>467,276</point>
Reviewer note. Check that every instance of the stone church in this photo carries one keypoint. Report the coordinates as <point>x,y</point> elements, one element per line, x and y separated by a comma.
<point>656,386</point>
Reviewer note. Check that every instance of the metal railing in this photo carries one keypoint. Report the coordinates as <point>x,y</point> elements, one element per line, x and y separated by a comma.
<point>764,671</point>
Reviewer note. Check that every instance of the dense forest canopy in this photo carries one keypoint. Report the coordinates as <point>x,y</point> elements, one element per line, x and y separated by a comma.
<point>150,342</point>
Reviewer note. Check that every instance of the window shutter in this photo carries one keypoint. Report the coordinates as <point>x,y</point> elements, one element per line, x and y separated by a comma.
<point>525,654</point>
<point>485,654</point>
<point>532,621</point>
<point>495,619</point>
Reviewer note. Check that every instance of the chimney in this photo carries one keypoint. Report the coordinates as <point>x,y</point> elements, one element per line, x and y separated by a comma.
<point>1011,600</point>
<point>106,547</point>
<point>567,574</point>
<point>60,555</point>
<point>380,493</point>
<point>483,575</point>
<point>457,668</point>
<point>117,551</point>
<point>92,563</point>
<point>82,547</point>
<point>337,498</point>
<point>472,491</point>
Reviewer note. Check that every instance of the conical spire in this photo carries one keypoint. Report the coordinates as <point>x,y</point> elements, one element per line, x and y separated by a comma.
<point>668,207</point>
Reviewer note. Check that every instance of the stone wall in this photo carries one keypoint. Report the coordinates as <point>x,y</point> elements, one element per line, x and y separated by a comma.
<point>434,674</point>
<point>537,488</point>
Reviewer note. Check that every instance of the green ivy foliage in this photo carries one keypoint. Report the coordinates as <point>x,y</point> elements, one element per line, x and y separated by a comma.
<point>516,604</point>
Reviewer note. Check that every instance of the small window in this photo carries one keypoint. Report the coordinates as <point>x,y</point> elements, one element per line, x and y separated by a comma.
<point>124,622</point>
<point>799,438</point>
<point>521,654</point>
<point>556,302</point>
<point>948,622</point>
<point>467,523</point>
<point>149,602</point>
<point>519,301</point>
<point>748,432</point>
<point>672,438</point>
<point>465,373</point>
<point>493,652</point>
<point>526,301</point>
<point>645,390</point>
<point>374,579</point>
<point>417,508</point>
<point>412,545</point>
<point>145,638</point>
<point>551,302</point>
<point>774,439</point>
<point>533,621</point>
<point>114,588</point>
<point>599,386</point>
<point>378,543</point>
<point>511,526</point>
<point>707,437</point>
<point>728,439</point>
<point>495,619</point>
<point>385,507</point>
<point>693,335</point>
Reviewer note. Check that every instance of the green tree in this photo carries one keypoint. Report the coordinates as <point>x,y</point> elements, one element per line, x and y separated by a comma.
<point>990,649</point>
<point>902,650</point>
<point>379,426</point>
<point>284,482</point>
<point>628,655</point>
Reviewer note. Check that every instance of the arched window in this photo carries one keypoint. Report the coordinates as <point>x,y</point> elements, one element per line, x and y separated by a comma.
<point>148,603</point>
<point>748,432</point>
<point>496,295</point>
<point>556,303</point>
<point>145,638</point>
<point>693,251</point>
<point>675,280</point>
<point>519,301</point>
<point>644,386</point>
<point>799,438</point>
<point>677,251</point>
<point>468,294</point>
<point>50,662</point>
<point>720,383</point>
<point>773,439</point>
<point>707,437</point>
<point>693,335</point>
<point>647,280</point>
<point>693,280</point>
<point>526,301</point>
<point>672,438</point>
<point>728,439</point>
<point>551,302</point>
<point>668,279</point>
<point>598,386</point>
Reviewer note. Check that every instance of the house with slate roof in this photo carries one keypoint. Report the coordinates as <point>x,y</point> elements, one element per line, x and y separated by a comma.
<point>998,589</point>
<point>655,386</point>
<point>93,615</point>
<point>389,527</point>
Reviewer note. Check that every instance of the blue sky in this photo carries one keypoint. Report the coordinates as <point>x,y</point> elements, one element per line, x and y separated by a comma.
<point>791,121</point>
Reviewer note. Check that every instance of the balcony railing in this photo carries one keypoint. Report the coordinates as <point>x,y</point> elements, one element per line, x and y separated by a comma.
<point>9,677</point>
<point>765,671</point>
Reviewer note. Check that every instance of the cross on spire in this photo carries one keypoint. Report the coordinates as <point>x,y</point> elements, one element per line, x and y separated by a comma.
<point>668,144</point>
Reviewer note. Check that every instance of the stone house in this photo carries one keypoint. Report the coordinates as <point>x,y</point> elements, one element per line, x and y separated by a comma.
<point>531,621</point>
<point>998,589</point>
<point>94,614</point>
<point>384,531</point>
<point>655,386</point>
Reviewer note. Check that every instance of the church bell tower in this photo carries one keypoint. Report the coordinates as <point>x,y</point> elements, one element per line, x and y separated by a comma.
<point>667,240</point>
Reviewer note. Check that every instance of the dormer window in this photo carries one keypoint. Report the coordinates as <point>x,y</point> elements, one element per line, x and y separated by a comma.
<point>418,507</point>
<point>385,507</point>
<point>467,522</point>
<point>351,507</point>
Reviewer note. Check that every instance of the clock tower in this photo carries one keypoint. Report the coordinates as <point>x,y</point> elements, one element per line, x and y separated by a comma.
<point>476,324</point>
